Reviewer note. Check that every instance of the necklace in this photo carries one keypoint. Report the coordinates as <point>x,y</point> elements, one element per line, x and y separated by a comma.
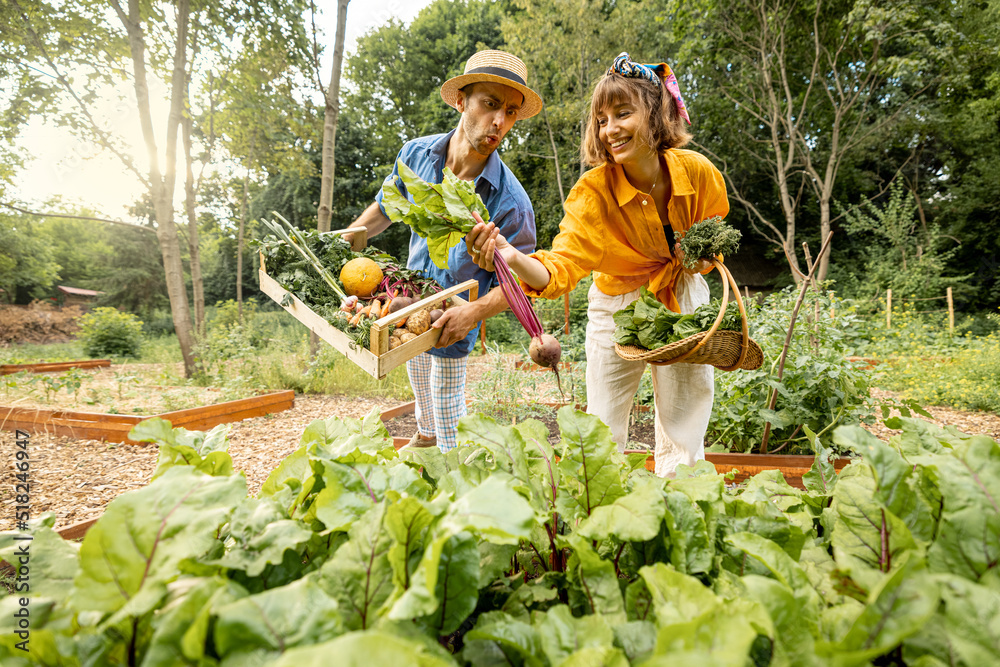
<point>655,181</point>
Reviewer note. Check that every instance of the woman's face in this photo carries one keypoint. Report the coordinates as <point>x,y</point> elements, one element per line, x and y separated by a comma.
<point>619,127</point>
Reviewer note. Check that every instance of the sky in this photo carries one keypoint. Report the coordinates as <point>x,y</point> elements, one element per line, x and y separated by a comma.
<point>81,173</point>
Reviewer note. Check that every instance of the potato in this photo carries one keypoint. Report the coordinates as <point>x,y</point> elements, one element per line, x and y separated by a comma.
<point>436,314</point>
<point>395,342</point>
<point>419,322</point>
<point>397,332</point>
<point>407,337</point>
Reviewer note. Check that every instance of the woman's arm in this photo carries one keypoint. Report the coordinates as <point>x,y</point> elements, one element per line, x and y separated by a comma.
<point>485,239</point>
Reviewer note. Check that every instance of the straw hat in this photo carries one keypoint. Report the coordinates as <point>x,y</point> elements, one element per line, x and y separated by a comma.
<point>495,67</point>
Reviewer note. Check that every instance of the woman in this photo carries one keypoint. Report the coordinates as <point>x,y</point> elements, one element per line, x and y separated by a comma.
<point>621,223</point>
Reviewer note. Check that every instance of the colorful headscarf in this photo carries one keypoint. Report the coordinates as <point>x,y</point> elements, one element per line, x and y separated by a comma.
<point>654,73</point>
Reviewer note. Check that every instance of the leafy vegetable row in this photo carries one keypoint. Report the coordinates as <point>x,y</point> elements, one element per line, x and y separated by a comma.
<point>509,550</point>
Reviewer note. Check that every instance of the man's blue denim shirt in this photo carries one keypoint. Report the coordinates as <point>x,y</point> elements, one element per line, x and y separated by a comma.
<point>505,199</point>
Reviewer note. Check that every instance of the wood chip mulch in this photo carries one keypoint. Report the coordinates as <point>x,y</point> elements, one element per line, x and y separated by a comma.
<point>76,479</point>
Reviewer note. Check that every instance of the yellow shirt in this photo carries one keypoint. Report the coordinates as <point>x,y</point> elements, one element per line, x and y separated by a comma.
<point>609,231</point>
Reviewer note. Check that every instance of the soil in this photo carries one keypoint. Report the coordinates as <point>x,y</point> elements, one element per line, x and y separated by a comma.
<point>126,389</point>
<point>76,479</point>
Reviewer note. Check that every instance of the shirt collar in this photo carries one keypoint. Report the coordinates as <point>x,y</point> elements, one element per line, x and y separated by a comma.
<point>491,172</point>
<point>680,184</point>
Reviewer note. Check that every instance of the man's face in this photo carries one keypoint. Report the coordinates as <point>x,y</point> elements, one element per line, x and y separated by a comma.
<point>489,111</point>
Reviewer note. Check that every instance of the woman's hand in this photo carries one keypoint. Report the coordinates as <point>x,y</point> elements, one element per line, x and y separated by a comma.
<point>485,239</point>
<point>702,266</point>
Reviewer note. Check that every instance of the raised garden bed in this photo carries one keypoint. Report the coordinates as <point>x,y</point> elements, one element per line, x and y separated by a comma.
<point>53,367</point>
<point>115,428</point>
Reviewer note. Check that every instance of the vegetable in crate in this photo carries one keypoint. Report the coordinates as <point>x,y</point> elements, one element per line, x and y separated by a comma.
<point>442,213</point>
<point>708,238</point>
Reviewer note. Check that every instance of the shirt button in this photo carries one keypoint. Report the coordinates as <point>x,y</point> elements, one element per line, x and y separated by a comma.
<point>643,202</point>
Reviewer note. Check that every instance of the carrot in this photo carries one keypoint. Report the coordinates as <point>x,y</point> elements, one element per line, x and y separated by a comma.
<point>354,321</point>
<point>376,308</point>
<point>385,308</point>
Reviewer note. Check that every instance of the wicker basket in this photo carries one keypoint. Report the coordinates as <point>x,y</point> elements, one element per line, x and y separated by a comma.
<point>726,350</point>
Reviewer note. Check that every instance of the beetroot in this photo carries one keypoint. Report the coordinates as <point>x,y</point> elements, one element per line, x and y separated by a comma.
<point>545,351</point>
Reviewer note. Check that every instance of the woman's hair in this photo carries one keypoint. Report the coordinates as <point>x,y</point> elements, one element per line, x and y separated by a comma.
<point>663,126</point>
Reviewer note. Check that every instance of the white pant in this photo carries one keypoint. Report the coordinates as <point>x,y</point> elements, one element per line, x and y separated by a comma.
<point>683,393</point>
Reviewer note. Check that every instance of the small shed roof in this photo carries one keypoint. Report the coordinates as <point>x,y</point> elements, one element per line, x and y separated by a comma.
<point>78,291</point>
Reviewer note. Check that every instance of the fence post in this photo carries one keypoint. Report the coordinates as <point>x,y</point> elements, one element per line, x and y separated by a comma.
<point>888,309</point>
<point>566,303</point>
<point>951,313</point>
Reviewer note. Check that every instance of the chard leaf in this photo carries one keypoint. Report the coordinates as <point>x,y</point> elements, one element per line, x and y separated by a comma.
<point>261,532</point>
<point>822,475</point>
<point>364,649</point>
<point>499,638</point>
<point>691,545</point>
<point>445,585</point>
<point>52,562</point>
<point>968,539</point>
<point>722,636</point>
<point>863,528</point>
<point>351,490</point>
<point>407,520</point>
<point>504,442</point>
<point>178,446</point>
<point>491,509</point>
<point>134,550</point>
<point>783,568</point>
<point>182,627</point>
<point>896,484</point>
<point>563,635</point>
<point>593,582</point>
<point>795,621</point>
<point>589,464</point>
<point>297,614</point>
<point>897,608</point>
<point>293,472</point>
<point>359,576</point>
<point>636,638</point>
<point>966,628</point>
<point>633,517</point>
<point>676,597</point>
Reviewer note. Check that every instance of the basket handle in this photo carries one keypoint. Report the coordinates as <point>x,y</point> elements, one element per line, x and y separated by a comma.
<point>727,280</point>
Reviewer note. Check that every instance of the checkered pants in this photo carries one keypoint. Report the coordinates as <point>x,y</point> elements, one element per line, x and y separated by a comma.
<point>439,391</point>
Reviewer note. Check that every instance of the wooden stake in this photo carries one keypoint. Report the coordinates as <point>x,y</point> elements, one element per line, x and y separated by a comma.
<point>566,308</point>
<point>951,313</point>
<point>888,309</point>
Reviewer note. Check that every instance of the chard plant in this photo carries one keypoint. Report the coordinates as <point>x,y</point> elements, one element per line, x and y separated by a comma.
<point>509,551</point>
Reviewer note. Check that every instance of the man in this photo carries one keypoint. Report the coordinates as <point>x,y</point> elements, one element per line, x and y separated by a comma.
<point>491,95</point>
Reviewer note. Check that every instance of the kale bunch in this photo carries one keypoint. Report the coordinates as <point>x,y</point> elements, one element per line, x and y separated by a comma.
<point>649,324</point>
<point>708,238</point>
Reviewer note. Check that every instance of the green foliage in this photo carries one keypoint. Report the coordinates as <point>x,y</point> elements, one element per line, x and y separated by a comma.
<point>27,262</point>
<point>648,323</point>
<point>819,388</point>
<point>440,212</point>
<point>709,238</point>
<point>496,553</point>
<point>109,332</point>
<point>968,378</point>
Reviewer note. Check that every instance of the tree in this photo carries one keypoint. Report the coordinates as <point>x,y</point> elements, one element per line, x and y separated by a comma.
<point>799,88</point>
<point>27,263</point>
<point>331,100</point>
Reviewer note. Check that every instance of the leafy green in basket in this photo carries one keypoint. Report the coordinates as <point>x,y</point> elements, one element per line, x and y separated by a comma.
<point>649,324</point>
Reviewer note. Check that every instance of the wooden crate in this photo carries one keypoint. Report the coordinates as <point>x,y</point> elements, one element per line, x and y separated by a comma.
<point>378,359</point>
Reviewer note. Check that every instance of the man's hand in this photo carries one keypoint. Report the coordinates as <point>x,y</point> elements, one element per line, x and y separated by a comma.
<point>702,265</point>
<point>455,324</point>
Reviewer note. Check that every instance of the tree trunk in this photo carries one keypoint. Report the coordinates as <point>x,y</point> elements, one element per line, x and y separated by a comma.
<point>332,96</point>
<point>162,184</point>
<point>239,239</point>
<point>197,285</point>
<point>555,156</point>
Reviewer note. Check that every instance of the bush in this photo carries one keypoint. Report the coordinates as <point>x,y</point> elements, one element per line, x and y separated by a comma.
<point>108,332</point>
<point>819,388</point>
